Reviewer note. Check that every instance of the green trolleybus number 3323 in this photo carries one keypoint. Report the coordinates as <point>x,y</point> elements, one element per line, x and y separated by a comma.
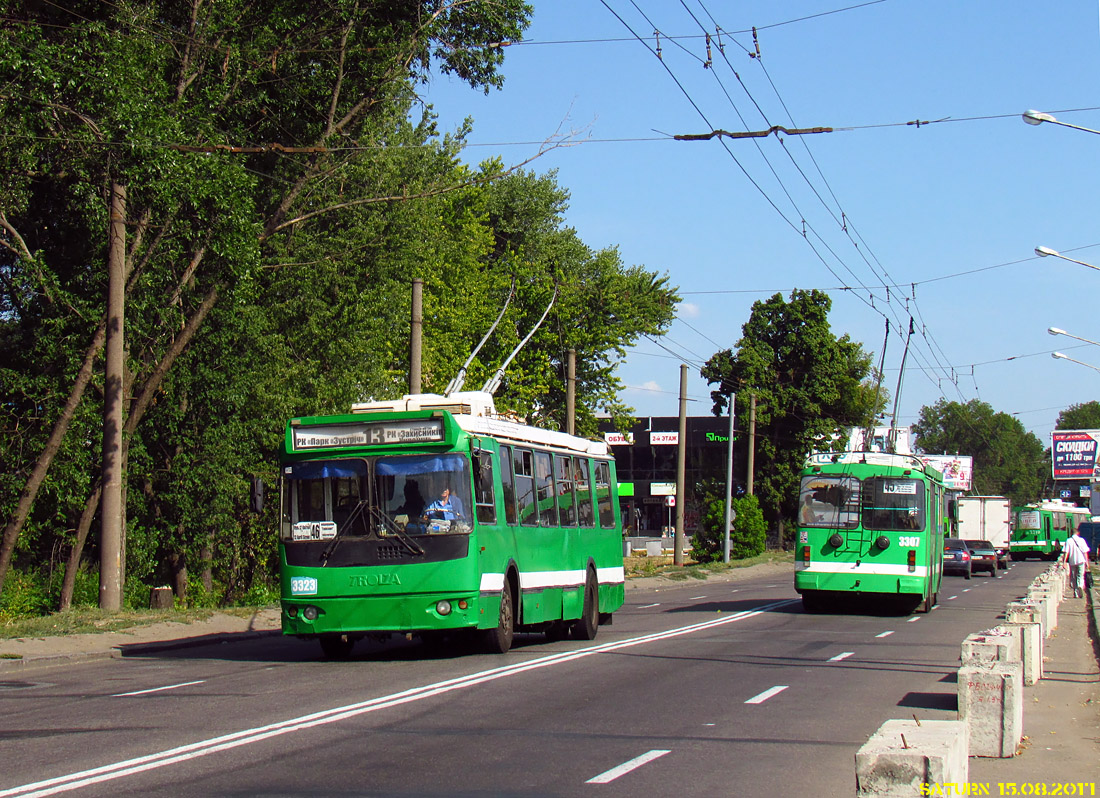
<point>433,516</point>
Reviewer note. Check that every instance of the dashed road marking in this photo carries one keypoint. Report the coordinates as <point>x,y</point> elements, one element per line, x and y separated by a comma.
<point>885,634</point>
<point>626,767</point>
<point>764,696</point>
<point>157,689</point>
<point>839,657</point>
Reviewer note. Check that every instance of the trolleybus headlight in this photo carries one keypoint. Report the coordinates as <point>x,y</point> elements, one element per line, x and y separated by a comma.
<point>443,607</point>
<point>291,610</point>
<point>310,612</point>
<point>835,540</point>
<point>882,542</point>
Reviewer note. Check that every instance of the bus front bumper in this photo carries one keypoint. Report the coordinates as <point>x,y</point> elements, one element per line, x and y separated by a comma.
<point>314,615</point>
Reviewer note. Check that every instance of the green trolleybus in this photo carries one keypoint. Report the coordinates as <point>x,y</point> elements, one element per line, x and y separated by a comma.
<point>870,524</point>
<point>1040,530</point>
<point>432,515</point>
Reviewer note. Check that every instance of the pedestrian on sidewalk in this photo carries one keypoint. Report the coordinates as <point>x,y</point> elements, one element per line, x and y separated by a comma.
<point>1076,554</point>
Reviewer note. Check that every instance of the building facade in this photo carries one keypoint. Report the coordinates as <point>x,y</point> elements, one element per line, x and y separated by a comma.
<point>646,457</point>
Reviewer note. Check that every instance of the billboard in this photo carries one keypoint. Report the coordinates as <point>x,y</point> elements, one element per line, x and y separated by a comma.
<point>957,469</point>
<point>1073,453</point>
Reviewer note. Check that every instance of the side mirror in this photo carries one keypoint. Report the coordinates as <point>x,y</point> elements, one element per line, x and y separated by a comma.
<point>257,502</point>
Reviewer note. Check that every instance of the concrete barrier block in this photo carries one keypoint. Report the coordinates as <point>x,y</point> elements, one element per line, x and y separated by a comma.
<point>1048,603</point>
<point>991,704</point>
<point>902,756</point>
<point>1031,650</point>
<point>999,644</point>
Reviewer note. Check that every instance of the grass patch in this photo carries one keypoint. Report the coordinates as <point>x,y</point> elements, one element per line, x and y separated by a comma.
<point>637,567</point>
<point>85,621</point>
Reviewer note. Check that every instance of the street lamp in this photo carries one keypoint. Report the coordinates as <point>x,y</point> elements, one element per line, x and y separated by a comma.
<point>1043,252</point>
<point>1060,356</point>
<point>1038,117</point>
<point>1059,331</point>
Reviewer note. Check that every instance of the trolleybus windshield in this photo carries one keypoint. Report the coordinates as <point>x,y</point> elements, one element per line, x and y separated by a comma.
<point>831,502</point>
<point>392,495</point>
<point>892,504</point>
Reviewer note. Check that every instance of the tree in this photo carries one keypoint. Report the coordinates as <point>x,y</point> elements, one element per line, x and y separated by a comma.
<point>810,387</point>
<point>1008,460</point>
<point>222,120</point>
<point>1083,416</point>
<point>748,534</point>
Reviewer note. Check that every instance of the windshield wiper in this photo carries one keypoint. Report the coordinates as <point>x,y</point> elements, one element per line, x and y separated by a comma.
<point>383,521</point>
<point>355,515</point>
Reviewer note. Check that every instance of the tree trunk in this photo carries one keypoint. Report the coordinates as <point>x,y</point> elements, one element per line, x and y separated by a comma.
<point>72,567</point>
<point>177,561</point>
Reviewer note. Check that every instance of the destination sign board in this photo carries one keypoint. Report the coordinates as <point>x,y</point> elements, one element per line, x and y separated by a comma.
<point>373,433</point>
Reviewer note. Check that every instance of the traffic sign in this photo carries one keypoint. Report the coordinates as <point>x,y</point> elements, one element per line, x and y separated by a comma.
<point>670,501</point>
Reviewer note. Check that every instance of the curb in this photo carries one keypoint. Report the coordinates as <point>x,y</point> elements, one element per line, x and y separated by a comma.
<point>130,650</point>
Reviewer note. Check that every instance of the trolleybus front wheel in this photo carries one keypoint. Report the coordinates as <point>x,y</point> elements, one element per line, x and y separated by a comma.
<point>499,639</point>
<point>588,624</point>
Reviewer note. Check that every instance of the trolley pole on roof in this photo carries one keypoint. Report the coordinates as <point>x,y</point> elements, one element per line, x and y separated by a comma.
<point>681,468</point>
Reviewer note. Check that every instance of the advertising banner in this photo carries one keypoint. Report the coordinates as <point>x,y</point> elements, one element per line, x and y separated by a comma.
<point>957,469</point>
<point>1073,453</point>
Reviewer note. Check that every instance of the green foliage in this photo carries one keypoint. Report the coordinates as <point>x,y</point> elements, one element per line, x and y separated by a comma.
<point>25,594</point>
<point>283,190</point>
<point>1083,416</point>
<point>810,387</point>
<point>1008,460</point>
<point>748,535</point>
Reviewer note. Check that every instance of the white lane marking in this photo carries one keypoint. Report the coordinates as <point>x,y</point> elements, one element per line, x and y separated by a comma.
<point>764,696</point>
<point>647,606</point>
<point>626,767</point>
<point>885,634</point>
<point>839,657</point>
<point>227,742</point>
<point>735,590</point>
<point>696,598</point>
<point>158,689</point>
<point>966,590</point>
<point>914,618</point>
<point>952,598</point>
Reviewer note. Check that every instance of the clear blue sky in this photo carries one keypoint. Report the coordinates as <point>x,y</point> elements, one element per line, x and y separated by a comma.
<point>955,207</point>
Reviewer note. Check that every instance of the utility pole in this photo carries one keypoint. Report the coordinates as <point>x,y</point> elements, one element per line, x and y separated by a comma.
<point>681,468</point>
<point>416,336</point>
<point>729,483</point>
<point>752,444</point>
<point>110,535</point>
<point>571,392</point>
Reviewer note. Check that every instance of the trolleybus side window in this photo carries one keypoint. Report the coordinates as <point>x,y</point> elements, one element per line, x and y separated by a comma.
<point>603,495</point>
<point>563,474</point>
<point>523,465</point>
<point>892,504</point>
<point>584,495</point>
<point>508,488</point>
<point>544,484</point>
<point>831,502</point>
<point>484,499</point>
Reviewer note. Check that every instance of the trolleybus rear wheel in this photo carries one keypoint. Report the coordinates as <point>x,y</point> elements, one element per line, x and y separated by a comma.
<point>337,646</point>
<point>928,603</point>
<point>499,639</point>
<point>588,624</point>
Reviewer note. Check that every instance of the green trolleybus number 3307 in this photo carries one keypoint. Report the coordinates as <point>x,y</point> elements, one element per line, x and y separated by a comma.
<point>872,525</point>
<point>431,515</point>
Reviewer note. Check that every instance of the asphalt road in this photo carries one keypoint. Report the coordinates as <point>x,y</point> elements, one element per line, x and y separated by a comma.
<point>701,689</point>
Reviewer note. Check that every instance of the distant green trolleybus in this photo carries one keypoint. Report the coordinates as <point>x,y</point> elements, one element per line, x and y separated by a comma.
<point>1040,530</point>
<point>872,525</point>
<point>432,515</point>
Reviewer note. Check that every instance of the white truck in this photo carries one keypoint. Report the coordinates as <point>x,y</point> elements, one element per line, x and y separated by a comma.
<point>986,518</point>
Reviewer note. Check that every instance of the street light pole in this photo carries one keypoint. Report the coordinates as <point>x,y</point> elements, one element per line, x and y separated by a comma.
<point>1060,356</point>
<point>1059,331</point>
<point>1044,252</point>
<point>1038,117</point>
